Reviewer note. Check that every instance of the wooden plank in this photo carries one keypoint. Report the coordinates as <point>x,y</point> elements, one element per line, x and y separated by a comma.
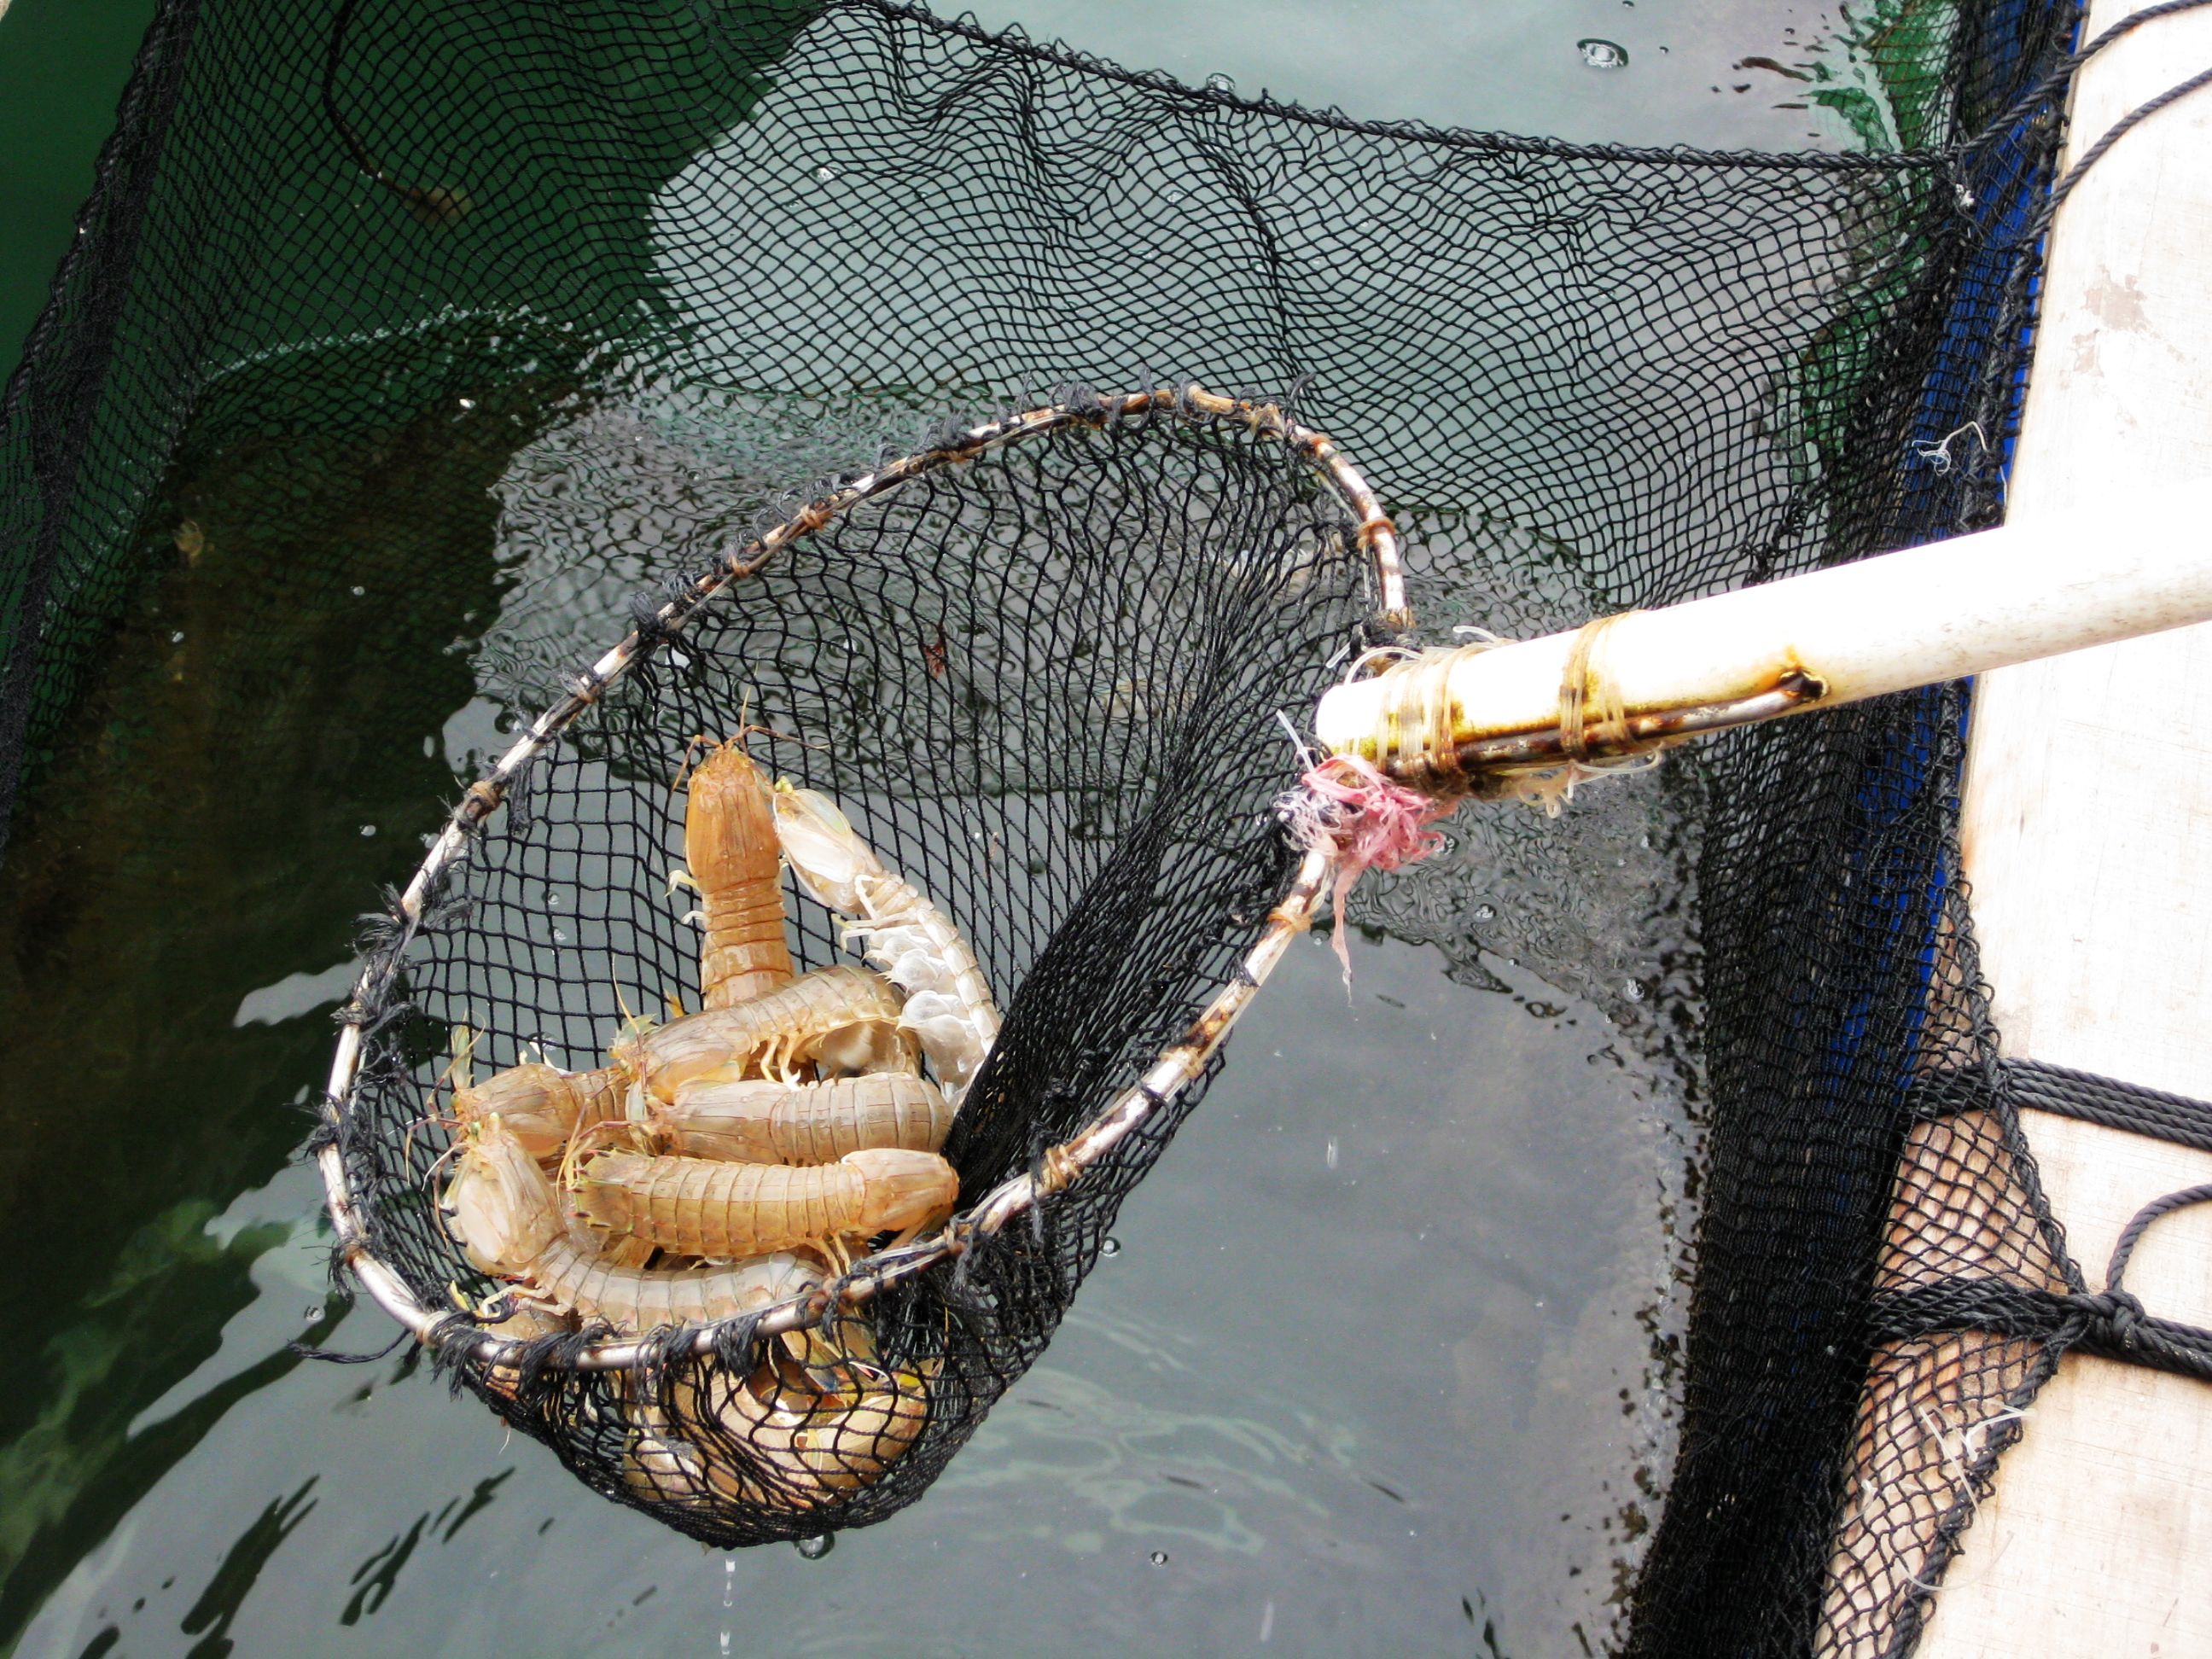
<point>2095,1540</point>
<point>2088,802</point>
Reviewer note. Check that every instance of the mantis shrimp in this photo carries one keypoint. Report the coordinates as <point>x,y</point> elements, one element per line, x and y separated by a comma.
<point>541,1106</point>
<point>730,845</point>
<point>794,1440</point>
<point>758,1122</point>
<point>948,1002</point>
<point>700,1206</point>
<point>840,1020</point>
<point>507,1217</point>
<point>760,1138</point>
<point>815,1429</point>
<point>837,1019</point>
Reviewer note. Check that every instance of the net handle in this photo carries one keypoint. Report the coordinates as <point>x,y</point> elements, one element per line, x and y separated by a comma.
<point>1625,685</point>
<point>1173,1071</point>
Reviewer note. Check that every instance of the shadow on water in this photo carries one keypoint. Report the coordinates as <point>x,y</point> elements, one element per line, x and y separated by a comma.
<point>209,1618</point>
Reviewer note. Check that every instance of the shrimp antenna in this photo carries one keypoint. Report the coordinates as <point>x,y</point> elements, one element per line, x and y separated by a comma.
<point>683,767</point>
<point>818,744</point>
<point>633,1023</point>
<point>407,1144</point>
<point>463,1049</point>
<point>580,1143</point>
<point>439,1161</point>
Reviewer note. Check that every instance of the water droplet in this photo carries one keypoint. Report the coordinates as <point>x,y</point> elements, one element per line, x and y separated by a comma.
<point>815,1548</point>
<point>1110,1247</point>
<point>176,638</point>
<point>1213,83</point>
<point>1602,54</point>
<point>358,592</point>
<point>468,403</point>
<point>1159,1557</point>
<point>1331,1153</point>
<point>367,829</point>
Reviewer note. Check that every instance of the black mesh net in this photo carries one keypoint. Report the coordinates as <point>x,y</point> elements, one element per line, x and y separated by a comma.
<point>1042,680</point>
<point>663,261</point>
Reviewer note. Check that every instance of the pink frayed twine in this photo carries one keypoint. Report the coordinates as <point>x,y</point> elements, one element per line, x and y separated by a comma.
<point>1347,807</point>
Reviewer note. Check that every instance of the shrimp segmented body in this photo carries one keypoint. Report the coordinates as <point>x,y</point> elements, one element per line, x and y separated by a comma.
<point>704,1207</point>
<point>542,1105</point>
<point>835,1019</point>
<point>509,1220</point>
<point>763,1122</point>
<point>729,842</point>
<point>948,1000</point>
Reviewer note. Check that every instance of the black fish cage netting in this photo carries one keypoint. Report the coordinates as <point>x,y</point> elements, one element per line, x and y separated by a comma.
<point>326,234</point>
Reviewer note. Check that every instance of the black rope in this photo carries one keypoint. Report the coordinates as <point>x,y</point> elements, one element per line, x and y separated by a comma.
<point>308,1350</point>
<point>2063,71</point>
<point>2096,152</point>
<point>1421,132</point>
<point>2093,1099</point>
<point>2110,1323</point>
<point>2067,1093</point>
<point>2142,1219</point>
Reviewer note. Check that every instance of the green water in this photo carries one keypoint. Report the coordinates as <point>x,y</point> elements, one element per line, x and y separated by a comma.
<point>1381,1367</point>
<point>62,67</point>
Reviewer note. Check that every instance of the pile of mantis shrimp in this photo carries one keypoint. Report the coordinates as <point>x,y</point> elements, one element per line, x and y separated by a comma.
<point>741,1155</point>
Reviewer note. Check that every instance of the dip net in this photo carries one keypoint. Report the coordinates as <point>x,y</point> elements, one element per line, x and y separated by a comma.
<point>690,256</point>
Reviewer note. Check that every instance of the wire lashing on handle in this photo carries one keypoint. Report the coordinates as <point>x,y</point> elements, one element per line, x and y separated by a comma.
<point>1427,721</point>
<point>1584,685</point>
<point>1422,742</point>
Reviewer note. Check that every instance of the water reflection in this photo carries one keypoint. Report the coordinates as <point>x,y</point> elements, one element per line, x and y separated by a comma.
<point>1520,67</point>
<point>1362,1397</point>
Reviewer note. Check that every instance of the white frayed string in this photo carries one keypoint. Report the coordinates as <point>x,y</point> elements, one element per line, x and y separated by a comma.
<point>1938,454</point>
<point>1377,654</point>
<point>1552,788</point>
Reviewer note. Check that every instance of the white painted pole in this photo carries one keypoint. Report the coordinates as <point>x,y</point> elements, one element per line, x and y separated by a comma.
<point>2032,588</point>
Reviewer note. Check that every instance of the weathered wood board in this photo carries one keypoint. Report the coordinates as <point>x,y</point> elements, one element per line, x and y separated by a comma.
<point>2088,849</point>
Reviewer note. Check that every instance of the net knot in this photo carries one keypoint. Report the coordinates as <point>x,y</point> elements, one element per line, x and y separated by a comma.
<point>2118,1311</point>
<point>1346,807</point>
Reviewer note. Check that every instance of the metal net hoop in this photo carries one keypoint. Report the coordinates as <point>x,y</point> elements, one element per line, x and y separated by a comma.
<point>1042,664</point>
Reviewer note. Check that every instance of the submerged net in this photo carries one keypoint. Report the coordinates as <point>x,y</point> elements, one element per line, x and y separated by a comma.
<point>675,256</point>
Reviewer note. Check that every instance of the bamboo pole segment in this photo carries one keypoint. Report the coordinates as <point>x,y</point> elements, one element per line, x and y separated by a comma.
<point>2037,586</point>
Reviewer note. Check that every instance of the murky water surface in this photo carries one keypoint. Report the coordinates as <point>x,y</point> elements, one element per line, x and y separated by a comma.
<point>1380,1366</point>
